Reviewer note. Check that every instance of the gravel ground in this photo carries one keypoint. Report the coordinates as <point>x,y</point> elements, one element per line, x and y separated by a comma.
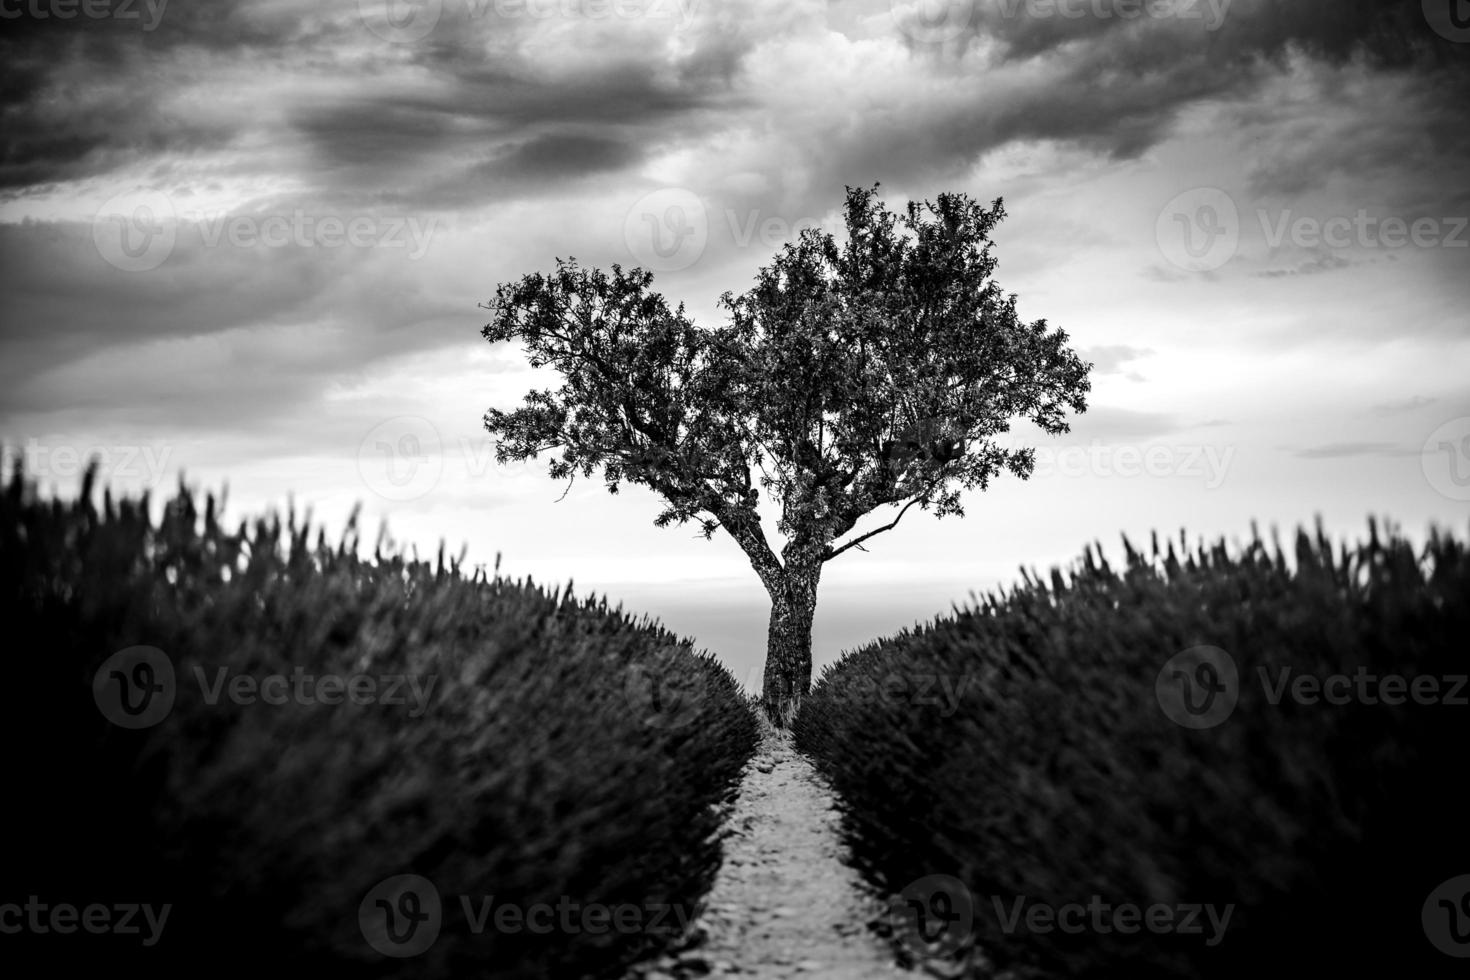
<point>784,903</point>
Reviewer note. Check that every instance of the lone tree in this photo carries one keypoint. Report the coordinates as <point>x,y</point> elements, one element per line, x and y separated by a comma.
<point>852,376</point>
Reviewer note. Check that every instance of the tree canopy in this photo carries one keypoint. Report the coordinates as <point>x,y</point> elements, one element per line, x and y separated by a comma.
<point>852,375</point>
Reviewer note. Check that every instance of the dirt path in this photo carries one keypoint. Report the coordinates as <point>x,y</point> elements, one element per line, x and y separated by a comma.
<point>784,904</point>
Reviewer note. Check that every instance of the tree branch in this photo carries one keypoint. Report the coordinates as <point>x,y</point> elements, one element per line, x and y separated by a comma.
<point>876,531</point>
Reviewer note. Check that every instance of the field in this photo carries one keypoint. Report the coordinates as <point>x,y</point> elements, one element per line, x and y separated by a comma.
<point>1032,775</point>
<point>273,753</point>
<point>239,748</point>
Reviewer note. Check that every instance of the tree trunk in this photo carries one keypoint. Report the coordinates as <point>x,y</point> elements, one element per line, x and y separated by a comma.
<point>788,673</point>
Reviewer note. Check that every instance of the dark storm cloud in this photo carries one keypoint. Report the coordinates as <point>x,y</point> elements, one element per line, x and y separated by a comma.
<point>1117,84</point>
<point>557,158</point>
<point>378,119</point>
<point>89,95</point>
<point>1222,33</point>
<point>64,303</point>
<point>83,93</point>
<point>494,122</point>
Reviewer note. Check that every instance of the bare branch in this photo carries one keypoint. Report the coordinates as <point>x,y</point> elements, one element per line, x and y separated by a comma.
<point>876,531</point>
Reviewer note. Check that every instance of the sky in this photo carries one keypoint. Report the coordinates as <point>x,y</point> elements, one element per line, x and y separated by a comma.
<point>246,243</point>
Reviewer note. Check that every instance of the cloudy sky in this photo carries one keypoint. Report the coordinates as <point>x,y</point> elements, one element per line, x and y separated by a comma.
<point>249,241</point>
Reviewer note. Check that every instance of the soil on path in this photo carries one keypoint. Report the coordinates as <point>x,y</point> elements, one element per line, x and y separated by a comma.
<point>784,903</point>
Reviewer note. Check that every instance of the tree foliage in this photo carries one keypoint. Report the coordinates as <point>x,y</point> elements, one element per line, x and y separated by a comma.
<point>874,371</point>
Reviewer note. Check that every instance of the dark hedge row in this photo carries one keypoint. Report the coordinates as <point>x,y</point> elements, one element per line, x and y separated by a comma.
<point>557,759</point>
<point>1095,751</point>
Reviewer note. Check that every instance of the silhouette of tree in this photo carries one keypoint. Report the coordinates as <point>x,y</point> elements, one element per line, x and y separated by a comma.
<point>852,376</point>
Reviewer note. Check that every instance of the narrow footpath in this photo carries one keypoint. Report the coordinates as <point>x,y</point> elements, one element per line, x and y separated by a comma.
<point>784,904</point>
